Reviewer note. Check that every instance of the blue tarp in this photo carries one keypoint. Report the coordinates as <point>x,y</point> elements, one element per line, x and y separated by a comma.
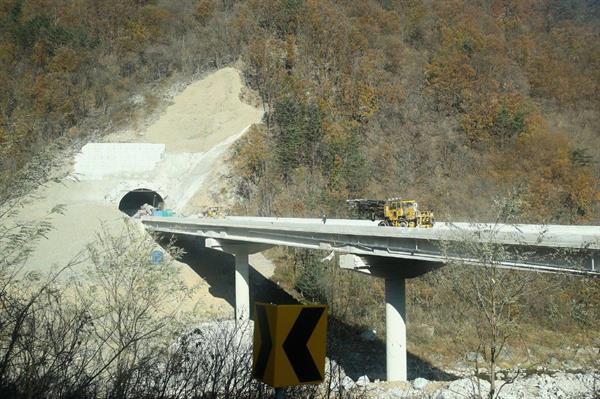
<point>160,212</point>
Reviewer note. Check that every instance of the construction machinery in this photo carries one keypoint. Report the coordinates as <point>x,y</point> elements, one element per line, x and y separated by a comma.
<point>213,212</point>
<point>394,212</point>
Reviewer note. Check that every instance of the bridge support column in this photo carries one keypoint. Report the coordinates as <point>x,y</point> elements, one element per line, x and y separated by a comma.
<point>242,284</point>
<point>240,251</point>
<point>394,271</point>
<point>395,329</point>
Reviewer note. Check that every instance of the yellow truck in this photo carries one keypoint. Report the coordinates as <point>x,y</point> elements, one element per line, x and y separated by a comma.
<point>394,212</point>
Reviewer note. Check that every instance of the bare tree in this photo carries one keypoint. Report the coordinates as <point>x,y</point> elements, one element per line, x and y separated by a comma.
<point>134,305</point>
<point>39,331</point>
<point>492,294</point>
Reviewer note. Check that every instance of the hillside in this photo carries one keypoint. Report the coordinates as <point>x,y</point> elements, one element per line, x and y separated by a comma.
<point>90,196</point>
<point>453,103</point>
<point>483,110</point>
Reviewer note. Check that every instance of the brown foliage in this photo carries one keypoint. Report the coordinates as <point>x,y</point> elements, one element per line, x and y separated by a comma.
<point>204,10</point>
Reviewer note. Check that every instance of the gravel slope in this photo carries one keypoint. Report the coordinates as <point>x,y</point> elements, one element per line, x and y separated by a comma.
<point>197,128</point>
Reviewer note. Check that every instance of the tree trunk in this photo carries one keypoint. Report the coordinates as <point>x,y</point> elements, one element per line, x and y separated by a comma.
<point>492,372</point>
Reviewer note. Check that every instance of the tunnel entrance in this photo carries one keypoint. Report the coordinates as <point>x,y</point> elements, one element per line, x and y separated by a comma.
<point>133,200</point>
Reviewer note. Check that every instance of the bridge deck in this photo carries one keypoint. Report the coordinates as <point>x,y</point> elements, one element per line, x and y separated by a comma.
<point>542,243</point>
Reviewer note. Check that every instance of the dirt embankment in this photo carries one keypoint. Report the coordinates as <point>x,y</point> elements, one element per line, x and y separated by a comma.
<point>197,128</point>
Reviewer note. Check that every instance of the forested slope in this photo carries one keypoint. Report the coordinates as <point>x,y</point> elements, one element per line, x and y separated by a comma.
<point>453,103</point>
<point>480,110</point>
<point>71,68</point>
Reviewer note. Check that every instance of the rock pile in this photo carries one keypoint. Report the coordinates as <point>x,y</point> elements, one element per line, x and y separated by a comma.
<point>559,385</point>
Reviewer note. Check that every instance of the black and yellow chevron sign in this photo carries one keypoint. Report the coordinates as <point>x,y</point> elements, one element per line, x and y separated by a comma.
<point>289,344</point>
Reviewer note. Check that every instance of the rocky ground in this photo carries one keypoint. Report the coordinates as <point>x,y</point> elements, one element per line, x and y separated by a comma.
<point>545,386</point>
<point>516,384</point>
<point>461,382</point>
<point>457,384</point>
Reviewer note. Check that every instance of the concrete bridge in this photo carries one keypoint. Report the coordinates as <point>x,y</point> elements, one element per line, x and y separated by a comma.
<point>394,254</point>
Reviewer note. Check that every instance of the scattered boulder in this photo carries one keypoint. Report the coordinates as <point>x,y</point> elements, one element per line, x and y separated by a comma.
<point>362,381</point>
<point>335,374</point>
<point>145,210</point>
<point>333,369</point>
<point>420,383</point>
<point>347,383</point>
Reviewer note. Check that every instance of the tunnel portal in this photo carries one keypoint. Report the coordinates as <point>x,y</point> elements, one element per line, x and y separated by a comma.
<point>133,200</point>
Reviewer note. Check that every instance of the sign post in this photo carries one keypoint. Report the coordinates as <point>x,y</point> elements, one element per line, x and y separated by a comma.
<point>289,345</point>
<point>156,257</point>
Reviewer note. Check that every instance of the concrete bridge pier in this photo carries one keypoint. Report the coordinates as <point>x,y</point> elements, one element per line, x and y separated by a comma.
<point>395,329</point>
<point>394,271</point>
<point>240,250</point>
<point>242,286</point>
